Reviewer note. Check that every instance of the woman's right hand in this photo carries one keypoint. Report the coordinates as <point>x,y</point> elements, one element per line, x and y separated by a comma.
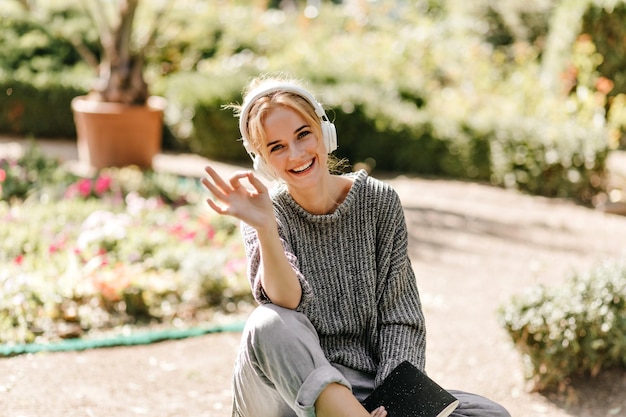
<point>232,198</point>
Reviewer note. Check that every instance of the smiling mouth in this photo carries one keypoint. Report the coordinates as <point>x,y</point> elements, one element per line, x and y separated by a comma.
<point>304,167</point>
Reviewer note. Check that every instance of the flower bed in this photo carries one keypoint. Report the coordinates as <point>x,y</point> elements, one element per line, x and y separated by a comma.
<point>85,255</point>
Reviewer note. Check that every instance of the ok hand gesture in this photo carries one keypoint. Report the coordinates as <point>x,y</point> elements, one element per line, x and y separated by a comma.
<point>232,198</point>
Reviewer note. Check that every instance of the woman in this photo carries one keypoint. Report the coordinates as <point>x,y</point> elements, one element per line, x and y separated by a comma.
<point>328,264</point>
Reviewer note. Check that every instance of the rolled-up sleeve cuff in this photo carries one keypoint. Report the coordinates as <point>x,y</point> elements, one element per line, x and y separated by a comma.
<point>313,387</point>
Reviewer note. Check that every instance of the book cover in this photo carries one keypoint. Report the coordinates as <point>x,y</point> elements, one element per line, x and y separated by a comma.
<point>408,392</point>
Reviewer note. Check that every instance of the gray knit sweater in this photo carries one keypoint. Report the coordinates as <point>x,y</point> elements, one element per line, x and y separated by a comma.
<point>358,288</point>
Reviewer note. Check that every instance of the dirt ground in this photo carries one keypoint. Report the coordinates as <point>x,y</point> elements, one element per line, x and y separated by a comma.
<point>472,247</point>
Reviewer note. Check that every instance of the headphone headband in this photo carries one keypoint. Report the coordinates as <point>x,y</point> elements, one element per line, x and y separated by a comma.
<point>328,129</point>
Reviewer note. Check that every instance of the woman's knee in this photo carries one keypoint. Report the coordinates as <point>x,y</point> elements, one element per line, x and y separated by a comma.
<point>273,325</point>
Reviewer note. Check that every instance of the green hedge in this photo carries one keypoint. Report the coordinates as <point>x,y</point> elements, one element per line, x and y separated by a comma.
<point>40,72</point>
<point>37,107</point>
<point>196,116</point>
<point>577,329</point>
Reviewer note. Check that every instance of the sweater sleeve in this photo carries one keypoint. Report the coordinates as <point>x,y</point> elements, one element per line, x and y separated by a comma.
<point>402,331</point>
<point>253,255</point>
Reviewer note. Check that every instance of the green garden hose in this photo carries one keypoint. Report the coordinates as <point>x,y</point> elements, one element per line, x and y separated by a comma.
<point>139,338</point>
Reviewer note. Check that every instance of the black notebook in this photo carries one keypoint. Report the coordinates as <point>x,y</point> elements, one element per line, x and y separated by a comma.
<point>408,392</point>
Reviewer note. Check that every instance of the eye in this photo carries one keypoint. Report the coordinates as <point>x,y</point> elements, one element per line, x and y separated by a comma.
<point>276,148</point>
<point>303,134</point>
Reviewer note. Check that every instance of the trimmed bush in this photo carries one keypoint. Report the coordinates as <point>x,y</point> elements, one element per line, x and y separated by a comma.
<point>37,105</point>
<point>577,329</point>
<point>563,160</point>
<point>196,115</point>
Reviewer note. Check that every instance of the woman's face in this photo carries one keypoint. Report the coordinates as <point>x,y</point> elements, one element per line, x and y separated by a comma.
<point>292,149</point>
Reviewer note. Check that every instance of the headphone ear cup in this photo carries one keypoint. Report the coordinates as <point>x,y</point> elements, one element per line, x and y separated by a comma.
<point>261,167</point>
<point>258,163</point>
<point>330,136</point>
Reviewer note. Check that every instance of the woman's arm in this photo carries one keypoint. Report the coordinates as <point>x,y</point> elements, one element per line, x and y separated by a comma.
<point>402,332</point>
<point>254,207</point>
<point>278,279</point>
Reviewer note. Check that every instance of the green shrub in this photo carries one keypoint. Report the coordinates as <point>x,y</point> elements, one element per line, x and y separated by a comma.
<point>196,115</point>
<point>564,160</point>
<point>38,104</point>
<point>604,23</point>
<point>511,21</point>
<point>576,329</point>
<point>378,125</point>
<point>27,45</point>
<point>40,71</point>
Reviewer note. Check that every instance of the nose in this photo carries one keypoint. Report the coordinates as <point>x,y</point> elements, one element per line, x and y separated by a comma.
<point>296,150</point>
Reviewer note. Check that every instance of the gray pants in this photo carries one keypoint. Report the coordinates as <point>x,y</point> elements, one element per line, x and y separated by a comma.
<point>281,370</point>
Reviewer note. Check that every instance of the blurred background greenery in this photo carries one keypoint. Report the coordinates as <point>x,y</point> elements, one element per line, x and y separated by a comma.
<point>528,95</point>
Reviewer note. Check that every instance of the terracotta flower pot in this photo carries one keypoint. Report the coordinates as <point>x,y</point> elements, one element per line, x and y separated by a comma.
<point>115,135</point>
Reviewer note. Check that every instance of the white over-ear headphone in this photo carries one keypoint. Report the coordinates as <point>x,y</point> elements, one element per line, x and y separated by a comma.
<point>329,134</point>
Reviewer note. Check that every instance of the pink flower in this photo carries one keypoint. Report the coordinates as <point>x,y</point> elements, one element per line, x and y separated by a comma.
<point>3,175</point>
<point>190,235</point>
<point>210,232</point>
<point>102,184</point>
<point>19,259</point>
<point>177,229</point>
<point>84,187</point>
<point>56,246</point>
<point>181,233</point>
